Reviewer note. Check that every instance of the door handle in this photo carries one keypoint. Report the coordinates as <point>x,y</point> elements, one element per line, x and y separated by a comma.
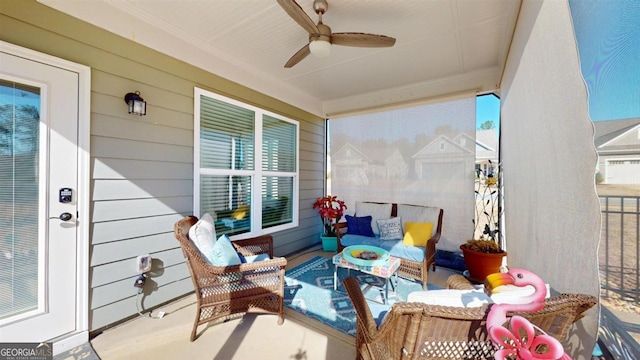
<point>65,216</point>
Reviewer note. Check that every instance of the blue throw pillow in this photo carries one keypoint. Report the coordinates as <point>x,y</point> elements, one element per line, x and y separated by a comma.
<point>359,225</point>
<point>224,254</point>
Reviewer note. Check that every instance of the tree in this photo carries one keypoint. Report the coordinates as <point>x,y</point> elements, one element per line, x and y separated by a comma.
<point>19,129</point>
<point>487,125</point>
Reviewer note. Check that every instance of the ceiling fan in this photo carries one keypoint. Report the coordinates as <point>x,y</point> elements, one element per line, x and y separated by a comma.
<point>320,36</point>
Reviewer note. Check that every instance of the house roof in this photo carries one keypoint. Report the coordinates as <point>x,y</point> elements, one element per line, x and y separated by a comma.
<point>607,131</point>
<point>443,48</point>
<point>434,148</point>
<point>487,140</point>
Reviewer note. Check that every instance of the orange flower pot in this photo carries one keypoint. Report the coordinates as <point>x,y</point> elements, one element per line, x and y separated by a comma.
<point>481,264</point>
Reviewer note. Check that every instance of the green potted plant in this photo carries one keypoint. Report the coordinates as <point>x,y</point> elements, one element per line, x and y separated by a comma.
<point>483,253</point>
<point>330,210</point>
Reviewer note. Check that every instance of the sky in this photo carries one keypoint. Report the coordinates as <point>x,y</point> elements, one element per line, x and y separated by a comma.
<point>488,108</point>
<point>608,37</point>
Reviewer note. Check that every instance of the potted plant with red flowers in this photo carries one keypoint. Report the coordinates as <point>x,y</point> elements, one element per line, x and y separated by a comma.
<point>330,210</point>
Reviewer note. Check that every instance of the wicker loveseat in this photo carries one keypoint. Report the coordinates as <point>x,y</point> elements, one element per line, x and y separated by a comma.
<point>414,260</point>
<point>421,331</point>
<point>225,290</point>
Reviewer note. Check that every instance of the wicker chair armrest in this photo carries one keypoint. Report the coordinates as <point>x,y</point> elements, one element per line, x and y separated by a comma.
<point>279,262</point>
<point>340,229</point>
<point>453,312</point>
<point>430,248</point>
<point>559,313</point>
<point>262,244</point>
<point>586,302</point>
<point>459,282</point>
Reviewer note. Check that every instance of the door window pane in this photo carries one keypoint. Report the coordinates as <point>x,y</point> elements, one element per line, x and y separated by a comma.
<point>19,154</point>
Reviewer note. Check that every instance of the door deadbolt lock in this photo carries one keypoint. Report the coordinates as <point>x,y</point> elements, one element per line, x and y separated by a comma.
<point>65,195</point>
<point>65,216</point>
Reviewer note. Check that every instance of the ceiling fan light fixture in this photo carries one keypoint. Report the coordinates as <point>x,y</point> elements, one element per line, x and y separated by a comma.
<point>320,48</point>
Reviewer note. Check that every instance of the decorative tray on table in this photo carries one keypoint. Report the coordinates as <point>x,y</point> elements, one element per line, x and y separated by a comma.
<point>365,255</point>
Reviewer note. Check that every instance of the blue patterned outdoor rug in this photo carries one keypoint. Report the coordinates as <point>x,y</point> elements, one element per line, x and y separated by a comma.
<point>309,290</point>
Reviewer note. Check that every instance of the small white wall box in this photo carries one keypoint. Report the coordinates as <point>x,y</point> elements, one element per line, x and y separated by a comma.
<point>143,263</point>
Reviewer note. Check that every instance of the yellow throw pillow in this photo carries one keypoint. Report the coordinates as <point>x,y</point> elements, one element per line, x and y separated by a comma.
<point>241,212</point>
<point>417,234</point>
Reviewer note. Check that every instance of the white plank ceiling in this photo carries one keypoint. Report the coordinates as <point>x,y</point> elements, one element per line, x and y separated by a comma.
<point>443,47</point>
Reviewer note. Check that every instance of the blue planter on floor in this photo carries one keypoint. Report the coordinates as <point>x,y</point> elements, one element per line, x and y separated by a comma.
<point>329,243</point>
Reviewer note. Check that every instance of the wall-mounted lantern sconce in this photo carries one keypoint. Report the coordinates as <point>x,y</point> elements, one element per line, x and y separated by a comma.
<point>137,105</point>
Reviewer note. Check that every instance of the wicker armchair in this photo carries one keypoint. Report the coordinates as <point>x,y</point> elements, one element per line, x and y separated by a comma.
<point>421,331</point>
<point>222,291</point>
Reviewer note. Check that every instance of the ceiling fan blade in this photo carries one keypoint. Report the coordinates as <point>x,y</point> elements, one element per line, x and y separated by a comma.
<point>298,56</point>
<point>361,40</point>
<point>295,11</point>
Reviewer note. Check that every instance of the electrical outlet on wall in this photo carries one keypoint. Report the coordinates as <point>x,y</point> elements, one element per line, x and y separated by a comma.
<point>143,263</point>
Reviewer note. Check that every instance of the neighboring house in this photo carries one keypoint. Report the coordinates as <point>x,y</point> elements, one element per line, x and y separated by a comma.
<point>386,164</point>
<point>443,156</point>
<point>351,164</point>
<point>395,166</point>
<point>485,146</point>
<point>487,150</point>
<point>618,146</point>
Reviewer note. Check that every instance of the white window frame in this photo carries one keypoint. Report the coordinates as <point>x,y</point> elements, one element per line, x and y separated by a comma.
<point>256,174</point>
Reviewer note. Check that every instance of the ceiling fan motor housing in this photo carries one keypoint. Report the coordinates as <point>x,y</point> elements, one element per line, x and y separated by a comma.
<point>320,6</point>
<point>324,35</point>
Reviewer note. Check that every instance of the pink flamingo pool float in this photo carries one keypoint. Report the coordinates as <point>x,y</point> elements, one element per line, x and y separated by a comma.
<point>510,341</point>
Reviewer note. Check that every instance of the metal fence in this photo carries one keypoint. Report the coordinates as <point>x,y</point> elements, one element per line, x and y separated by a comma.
<point>619,265</point>
<point>620,247</point>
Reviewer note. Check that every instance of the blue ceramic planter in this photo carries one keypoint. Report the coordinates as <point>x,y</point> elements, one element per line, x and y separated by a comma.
<point>329,243</point>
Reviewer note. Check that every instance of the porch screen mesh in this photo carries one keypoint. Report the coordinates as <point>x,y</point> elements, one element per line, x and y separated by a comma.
<point>421,155</point>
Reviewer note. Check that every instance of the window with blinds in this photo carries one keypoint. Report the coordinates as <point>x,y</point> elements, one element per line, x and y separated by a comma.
<point>245,160</point>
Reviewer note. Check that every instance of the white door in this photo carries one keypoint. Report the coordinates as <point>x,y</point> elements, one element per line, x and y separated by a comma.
<point>38,157</point>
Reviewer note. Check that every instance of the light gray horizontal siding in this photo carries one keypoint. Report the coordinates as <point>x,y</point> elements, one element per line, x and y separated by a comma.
<point>108,273</point>
<point>130,248</point>
<point>138,189</point>
<point>139,150</point>
<point>103,316</point>
<point>131,228</point>
<point>111,293</point>
<point>139,130</point>
<point>142,166</point>
<point>131,169</point>
<point>136,208</point>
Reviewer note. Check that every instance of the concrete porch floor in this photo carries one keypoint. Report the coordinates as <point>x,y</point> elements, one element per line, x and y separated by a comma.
<point>251,336</point>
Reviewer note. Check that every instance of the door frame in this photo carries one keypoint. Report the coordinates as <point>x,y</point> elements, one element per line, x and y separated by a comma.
<point>81,333</point>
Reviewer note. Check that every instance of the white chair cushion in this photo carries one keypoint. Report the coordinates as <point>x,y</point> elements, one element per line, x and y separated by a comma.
<point>419,214</point>
<point>203,235</point>
<point>450,297</point>
<point>376,211</point>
